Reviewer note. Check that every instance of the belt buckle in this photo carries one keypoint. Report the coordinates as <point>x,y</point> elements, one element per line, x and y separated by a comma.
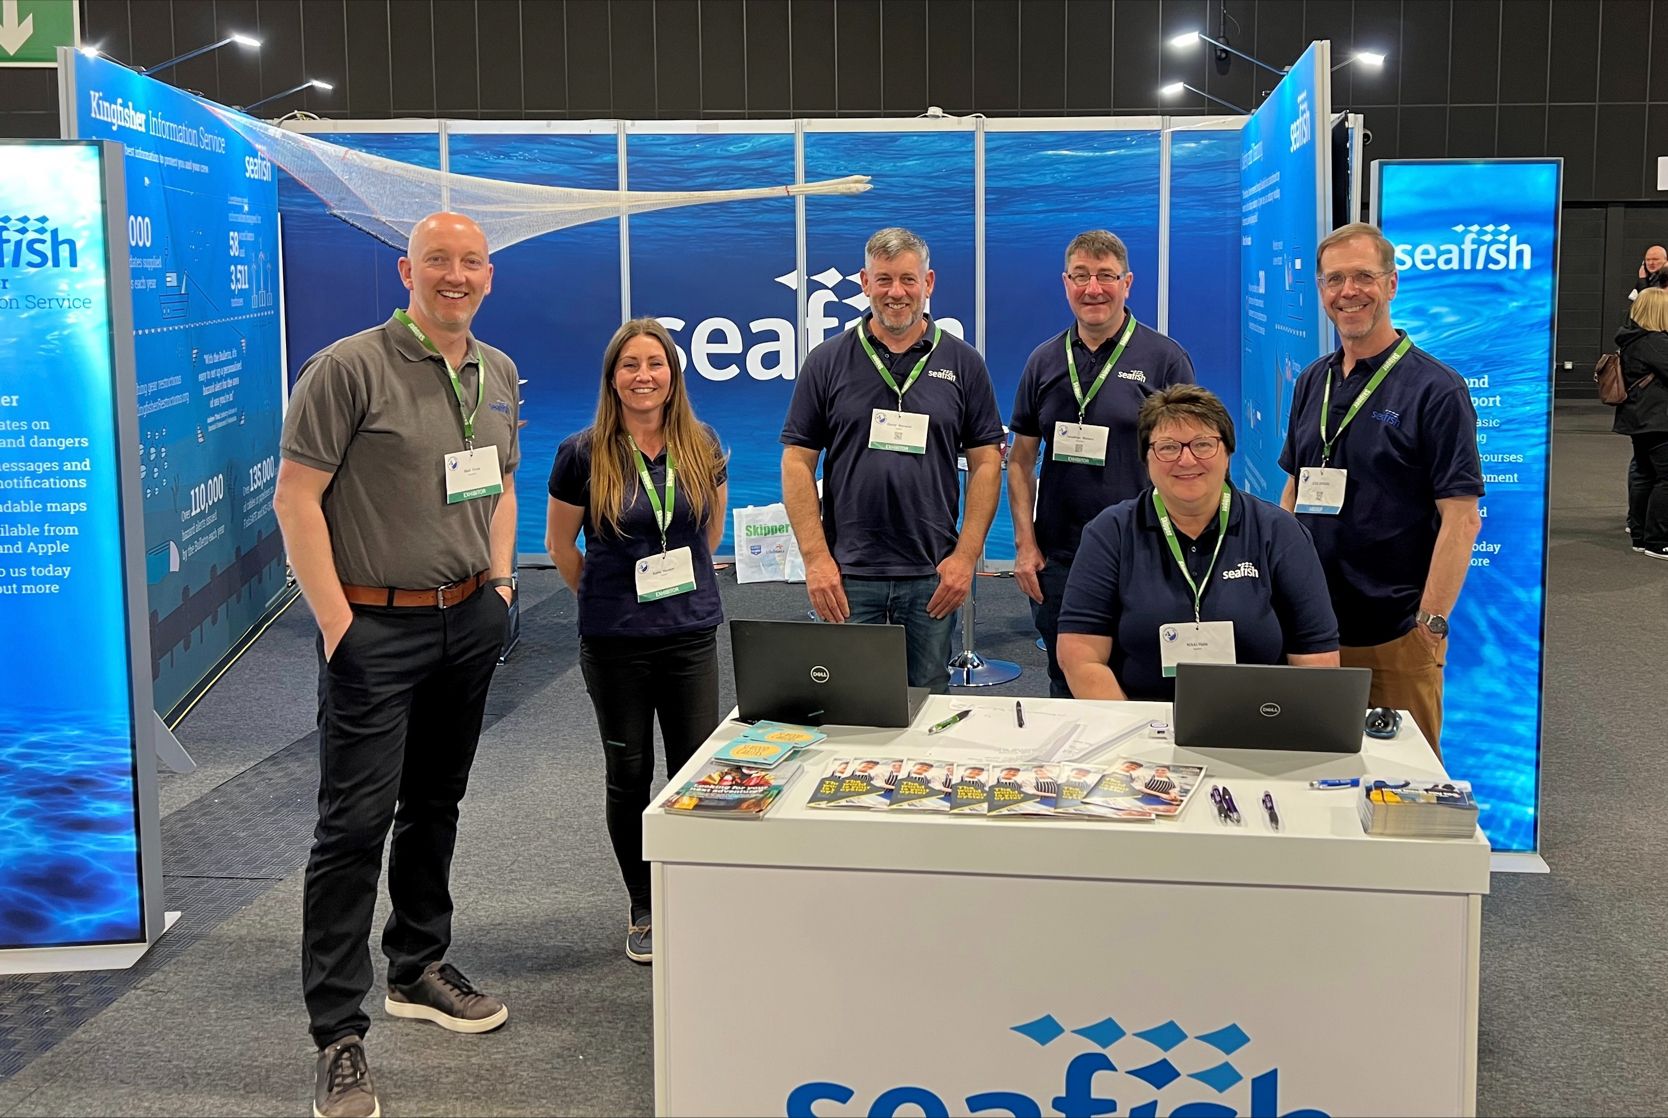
<point>440,595</point>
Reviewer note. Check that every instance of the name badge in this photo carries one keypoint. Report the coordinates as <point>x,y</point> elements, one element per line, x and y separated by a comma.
<point>1195,642</point>
<point>665,574</point>
<point>472,473</point>
<point>1320,490</point>
<point>1083,443</point>
<point>902,431</point>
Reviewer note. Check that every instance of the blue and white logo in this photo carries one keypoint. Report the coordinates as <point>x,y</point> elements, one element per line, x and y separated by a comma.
<point>34,242</point>
<point>1480,248</point>
<point>1084,1092</point>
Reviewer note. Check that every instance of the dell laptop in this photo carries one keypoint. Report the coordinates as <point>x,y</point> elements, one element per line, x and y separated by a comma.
<point>1270,706</point>
<point>816,674</point>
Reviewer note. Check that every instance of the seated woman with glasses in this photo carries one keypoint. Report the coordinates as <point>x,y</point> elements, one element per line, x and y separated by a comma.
<point>1193,569</point>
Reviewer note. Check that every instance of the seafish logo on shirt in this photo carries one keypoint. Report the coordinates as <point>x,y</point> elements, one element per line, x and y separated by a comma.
<point>1246,569</point>
<point>943,374</point>
<point>1133,374</point>
<point>502,407</point>
<point>1481,248</point>
<point>1393,419</point>
<point>1162,1068</point>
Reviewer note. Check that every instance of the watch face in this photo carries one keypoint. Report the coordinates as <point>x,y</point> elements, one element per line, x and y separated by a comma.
<point>1437,624</point>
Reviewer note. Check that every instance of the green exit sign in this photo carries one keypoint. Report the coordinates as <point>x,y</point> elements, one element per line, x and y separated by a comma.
<point>31,31</point>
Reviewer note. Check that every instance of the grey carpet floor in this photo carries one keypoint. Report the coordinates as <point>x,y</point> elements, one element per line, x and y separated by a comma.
<point>211,1022</point>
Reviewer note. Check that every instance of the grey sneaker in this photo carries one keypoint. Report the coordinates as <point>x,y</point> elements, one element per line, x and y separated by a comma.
<point>640,941</point>
<point>342,1085</point>
<point>444,996</point>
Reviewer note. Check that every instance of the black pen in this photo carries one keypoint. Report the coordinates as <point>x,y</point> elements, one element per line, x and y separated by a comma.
<point>1019,715</point>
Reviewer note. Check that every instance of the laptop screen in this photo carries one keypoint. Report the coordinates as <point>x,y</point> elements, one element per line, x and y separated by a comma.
<point>816,674</point>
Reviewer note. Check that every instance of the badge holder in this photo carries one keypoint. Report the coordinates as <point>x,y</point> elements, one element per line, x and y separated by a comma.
<point>968,668</point>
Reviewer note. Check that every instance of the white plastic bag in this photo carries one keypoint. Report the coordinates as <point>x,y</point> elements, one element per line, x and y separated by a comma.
<point>765,548</point>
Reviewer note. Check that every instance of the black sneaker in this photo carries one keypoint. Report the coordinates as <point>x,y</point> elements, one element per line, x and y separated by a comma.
<point>640,941</point>
<point>342,1085</point>
<point>444,996</point>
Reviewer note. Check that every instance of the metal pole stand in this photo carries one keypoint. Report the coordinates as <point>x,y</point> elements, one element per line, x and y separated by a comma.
<point>968,668</point>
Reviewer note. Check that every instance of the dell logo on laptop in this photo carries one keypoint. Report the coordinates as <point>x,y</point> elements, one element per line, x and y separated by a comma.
<point>1269,710</point>
<point>819,674</point>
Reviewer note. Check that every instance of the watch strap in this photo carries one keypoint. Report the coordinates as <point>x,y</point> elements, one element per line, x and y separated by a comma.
<point>494,583</point>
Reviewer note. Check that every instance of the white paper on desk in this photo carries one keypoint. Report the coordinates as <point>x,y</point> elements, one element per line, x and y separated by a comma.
<point>1094,740</point>
<point>991,734</point>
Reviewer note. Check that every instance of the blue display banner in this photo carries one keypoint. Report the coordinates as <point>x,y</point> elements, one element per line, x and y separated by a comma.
<point>202,230</point>
<point>1477,265</point>
<point>1285,210</point>
<point>1204,257</point>
<point>69,853</point>
<point>732,314</point>
<point>1042,188</point>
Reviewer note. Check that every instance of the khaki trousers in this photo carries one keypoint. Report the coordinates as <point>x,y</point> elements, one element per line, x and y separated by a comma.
<point>1407,675</point>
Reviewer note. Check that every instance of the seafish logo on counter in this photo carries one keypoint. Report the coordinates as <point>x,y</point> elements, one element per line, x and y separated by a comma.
<point>33,242</point>
<point>1480,248</point>
<point>720,348</point>
<point>1091,1084</point>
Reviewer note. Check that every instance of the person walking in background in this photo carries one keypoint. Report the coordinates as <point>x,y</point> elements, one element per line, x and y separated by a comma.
<point>1643,417</point>
<point>648,484</point>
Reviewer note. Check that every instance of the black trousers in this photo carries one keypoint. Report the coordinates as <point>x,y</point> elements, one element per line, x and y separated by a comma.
<point>1046,616</point>
<point>1647,492</point>
<point>400,714</point>
<point>632,681</point>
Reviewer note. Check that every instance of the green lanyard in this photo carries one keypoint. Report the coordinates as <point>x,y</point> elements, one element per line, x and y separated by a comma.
<point>457,386</point>
<point>1111,362</point>
<point>880,366</point>
<point>662,514</point>
<point>1326,399</point>
<point>1175,548</point>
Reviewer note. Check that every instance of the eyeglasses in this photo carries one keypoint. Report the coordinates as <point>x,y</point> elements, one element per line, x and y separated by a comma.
<point>1105,279</point>
<point>1334,281</point>
<point>1203,448</point>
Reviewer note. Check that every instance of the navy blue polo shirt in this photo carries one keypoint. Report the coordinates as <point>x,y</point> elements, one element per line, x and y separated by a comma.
<point>887,514</point>
<point>608,605</point>
<point>1414,442</point>
<point>1070,493</point>
<point>1267,581</point>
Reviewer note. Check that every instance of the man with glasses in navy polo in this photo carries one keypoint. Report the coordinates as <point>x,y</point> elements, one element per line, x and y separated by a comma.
<point>892,402</point>
<point>1077,400</point>
<point>1385,474</point>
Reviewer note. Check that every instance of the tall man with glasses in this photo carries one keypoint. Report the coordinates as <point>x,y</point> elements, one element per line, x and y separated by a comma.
<point>1077,400</point>
<point>1382,453</point>
<point>891,402</point>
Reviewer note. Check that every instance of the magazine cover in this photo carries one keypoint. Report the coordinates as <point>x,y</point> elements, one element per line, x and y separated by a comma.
<point>857,782</point>
<point>731,791</point>
<point>924,786</point>
<point>784,733</point>
<point>1076,781</point>
<point>969,789</point>
<point>1020,789</point>
<point>1161,790</point>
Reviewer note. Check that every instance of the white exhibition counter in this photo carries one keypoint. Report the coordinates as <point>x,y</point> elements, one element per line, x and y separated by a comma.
<point>824,962</point>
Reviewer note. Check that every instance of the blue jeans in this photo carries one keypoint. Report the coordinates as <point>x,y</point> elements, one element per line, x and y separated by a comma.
<point>903,601</point>
<point>1046,616</point>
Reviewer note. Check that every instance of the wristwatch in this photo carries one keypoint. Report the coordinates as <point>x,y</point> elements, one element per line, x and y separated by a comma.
<point>495,583</point>
<point>1435,622</point>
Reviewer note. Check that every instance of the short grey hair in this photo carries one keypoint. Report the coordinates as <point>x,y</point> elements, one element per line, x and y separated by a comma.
<point>1386,250</point>
<point>1097,243</point>
<point>892,242</point>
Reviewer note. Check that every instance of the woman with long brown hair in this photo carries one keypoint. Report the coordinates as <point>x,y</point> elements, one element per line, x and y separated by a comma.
<point>647,483</point>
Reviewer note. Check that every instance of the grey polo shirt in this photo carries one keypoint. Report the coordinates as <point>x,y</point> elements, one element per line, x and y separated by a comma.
<point>377,410</point>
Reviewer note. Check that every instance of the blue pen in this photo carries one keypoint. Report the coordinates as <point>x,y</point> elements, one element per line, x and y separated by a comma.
<point>1352,782</point>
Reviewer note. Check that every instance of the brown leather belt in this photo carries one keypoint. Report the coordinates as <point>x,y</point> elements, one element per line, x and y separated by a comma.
<point>441,597</point>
